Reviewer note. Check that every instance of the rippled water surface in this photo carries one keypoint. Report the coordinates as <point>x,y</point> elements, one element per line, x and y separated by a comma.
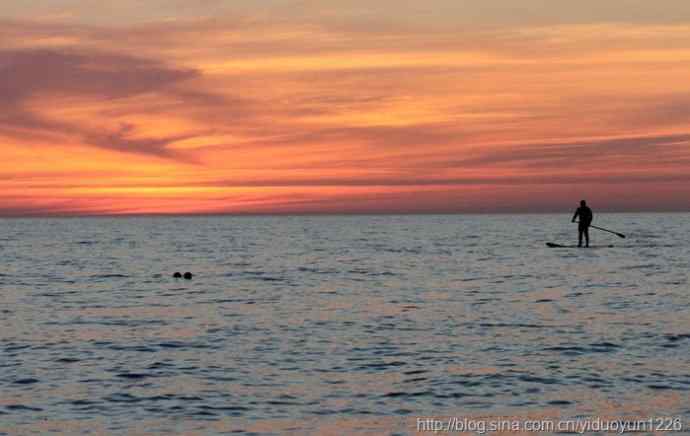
<point>338,325</point>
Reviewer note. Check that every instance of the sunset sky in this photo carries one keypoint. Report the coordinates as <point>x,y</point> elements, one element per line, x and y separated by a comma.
<point>343,106</point>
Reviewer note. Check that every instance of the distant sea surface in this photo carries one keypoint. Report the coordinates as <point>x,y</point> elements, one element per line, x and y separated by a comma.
<point>338,325</point>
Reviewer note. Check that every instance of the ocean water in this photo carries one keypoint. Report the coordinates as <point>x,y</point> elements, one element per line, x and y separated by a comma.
<point>338,325</point>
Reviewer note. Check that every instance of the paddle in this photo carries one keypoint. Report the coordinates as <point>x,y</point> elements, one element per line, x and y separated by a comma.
<point>620,235</point>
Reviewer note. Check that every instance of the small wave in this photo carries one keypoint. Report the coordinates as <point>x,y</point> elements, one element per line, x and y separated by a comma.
<point>601,347</point>
<point>285,400</point>
<point>317,270</point>
<point>363,271</point>
<point>229,410</point>
<point>676,338</point>
<point>108,276</point>
<point>568,351</point>
<point>657,387</point>
<point>160,365</point>
<point>402,250</point>
<point>358,271</point>
<point>25,381</point>
<point>223,379</point>
<point>397,394</point>
<point>417,380</point>
<point>137,348</point>
<point>134,376</point>
<point>516,325</point>
<point>117,322</point>
<point>178,344</point>
<point>16,347</point>
<point>23,408</point>
<point>559,403</point>
<point>604,345</point>
<point>172,345</point>
<point>123,398</point>
<point>641,266</point>
<point>83,403</point>
<point>541,380</point>
<point>271,279</point>
<point>260,275</point>
<point>381,366</point>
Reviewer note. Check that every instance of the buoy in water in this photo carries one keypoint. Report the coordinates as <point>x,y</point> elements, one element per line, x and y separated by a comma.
<point>177,275</point>
<point>188,276</point>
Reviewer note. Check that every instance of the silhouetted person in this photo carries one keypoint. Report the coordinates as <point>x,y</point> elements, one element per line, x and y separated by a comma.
<point>586,216</point>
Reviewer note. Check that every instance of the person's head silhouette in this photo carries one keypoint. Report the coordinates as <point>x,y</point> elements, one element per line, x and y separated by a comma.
<point>583,203</point>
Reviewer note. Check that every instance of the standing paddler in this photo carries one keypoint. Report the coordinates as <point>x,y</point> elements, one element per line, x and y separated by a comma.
<point>585,214</point>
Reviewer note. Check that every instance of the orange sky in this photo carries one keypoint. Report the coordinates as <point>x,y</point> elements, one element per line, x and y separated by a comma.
<point>295,107</point>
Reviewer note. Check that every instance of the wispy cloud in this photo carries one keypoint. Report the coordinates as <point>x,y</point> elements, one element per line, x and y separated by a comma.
<point>331,107</point>
<point>31,77</point>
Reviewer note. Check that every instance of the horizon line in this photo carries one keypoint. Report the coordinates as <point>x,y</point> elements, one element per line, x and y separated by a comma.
<point>316,214</point>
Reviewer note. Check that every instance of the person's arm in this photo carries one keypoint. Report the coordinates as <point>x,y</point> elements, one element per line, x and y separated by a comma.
<point>577,212</point>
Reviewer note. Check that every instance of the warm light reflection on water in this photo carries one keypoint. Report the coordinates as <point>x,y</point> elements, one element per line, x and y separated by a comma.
<point>337,325</point>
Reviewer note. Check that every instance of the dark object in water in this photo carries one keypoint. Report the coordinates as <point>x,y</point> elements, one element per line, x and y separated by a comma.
<point>177,275</point>
<point>188,276</point>
<point>554,245</point>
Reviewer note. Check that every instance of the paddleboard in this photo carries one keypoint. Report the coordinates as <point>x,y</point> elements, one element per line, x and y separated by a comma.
<point>554,245</point>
